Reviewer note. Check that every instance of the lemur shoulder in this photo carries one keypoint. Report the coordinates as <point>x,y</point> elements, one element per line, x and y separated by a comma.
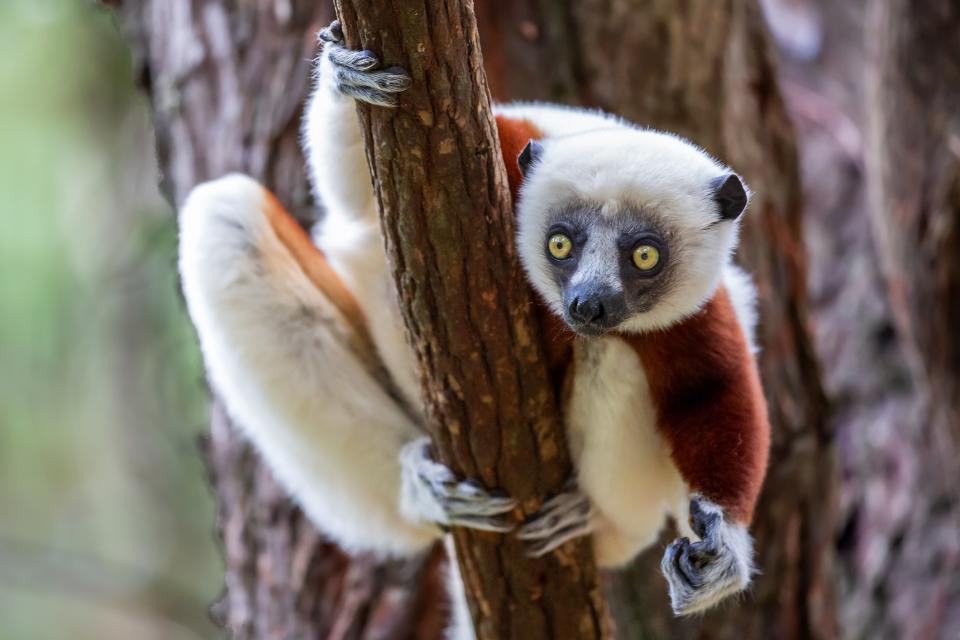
<point>625,234</point>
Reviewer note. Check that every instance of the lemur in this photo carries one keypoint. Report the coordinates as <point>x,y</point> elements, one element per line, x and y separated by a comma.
<point>626,236</point>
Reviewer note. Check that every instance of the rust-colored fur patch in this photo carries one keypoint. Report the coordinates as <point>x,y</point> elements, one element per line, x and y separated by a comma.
<point>514,135</point>
<point>710,404</point>
<point>314,264</point>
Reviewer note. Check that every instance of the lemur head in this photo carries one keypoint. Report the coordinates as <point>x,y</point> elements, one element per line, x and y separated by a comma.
<point>625,229</point>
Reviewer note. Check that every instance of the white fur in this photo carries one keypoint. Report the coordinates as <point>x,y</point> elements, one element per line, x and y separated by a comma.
<point>597,158</point>
<point>461,623</point>
<point>349,233</point>
<point>743,295</point>
<point>334,146</point>
<point>623,465</point>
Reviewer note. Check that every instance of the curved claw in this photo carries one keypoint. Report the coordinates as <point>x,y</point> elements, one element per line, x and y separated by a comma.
<point>356,60</point>
<point>700,574</point>
<point>559,538</point>
<point>356,73</point>
<point>562,518</point>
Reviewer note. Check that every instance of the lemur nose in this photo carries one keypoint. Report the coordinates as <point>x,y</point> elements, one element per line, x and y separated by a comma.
<point>587,310</point>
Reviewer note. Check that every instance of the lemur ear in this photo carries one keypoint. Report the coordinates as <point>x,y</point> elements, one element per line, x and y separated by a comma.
<point>530,155</point>
<point>729,193</point>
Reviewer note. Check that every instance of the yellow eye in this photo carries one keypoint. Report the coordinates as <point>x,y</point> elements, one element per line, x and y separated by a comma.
<point>560,246</point>
<point>646,257</point>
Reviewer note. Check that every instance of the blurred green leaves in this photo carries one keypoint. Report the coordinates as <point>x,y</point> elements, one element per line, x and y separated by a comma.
<point>106,524</point>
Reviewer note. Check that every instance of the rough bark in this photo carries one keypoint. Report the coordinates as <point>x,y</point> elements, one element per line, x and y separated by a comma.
<point>227,82</point>
<point>448,225</point>
<point>704,69</point>
<point>912,152</point>
<point>914,167</point>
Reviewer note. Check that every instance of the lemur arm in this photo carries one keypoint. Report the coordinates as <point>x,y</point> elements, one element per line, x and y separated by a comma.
<point>710,405</point>
<point>334,146</point>
<point>712,413</point>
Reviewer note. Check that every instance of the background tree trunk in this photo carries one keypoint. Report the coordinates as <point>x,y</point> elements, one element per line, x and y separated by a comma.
<point>446,213</point>
<point>702,69</point>
<point>912,144</point>
<point>914,133</point>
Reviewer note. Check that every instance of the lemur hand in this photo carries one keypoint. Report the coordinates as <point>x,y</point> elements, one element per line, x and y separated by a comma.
<point>356,73</point>
<point>565,516</point>
<point>430,492</point>
<point>701,574</point>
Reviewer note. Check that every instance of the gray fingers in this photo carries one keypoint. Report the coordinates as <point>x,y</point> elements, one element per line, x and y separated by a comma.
<point>434,493</point>
<point>563,517</point>
<point>701,574</point>
<point>355,73</point>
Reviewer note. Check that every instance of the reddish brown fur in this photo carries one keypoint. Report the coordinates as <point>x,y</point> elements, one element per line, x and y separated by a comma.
<point>514,135</point>
<point>313,262</point>
<point>703,379</point>
<point>710,404</point>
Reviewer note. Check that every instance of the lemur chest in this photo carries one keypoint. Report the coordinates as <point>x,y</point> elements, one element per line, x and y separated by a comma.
<point>622,462</point>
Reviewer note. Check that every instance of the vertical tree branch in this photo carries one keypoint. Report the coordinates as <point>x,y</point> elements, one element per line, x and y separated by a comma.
<point>448,224</point>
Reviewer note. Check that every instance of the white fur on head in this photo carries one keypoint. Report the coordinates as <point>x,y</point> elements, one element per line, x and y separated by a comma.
<point>617,167</point>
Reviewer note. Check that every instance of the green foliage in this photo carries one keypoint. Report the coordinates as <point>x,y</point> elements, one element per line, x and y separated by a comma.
<point>107,524</point>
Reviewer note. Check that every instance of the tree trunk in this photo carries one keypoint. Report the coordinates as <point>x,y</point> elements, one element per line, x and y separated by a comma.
<point>704,69</point>
<point>914,165</point>
<point>447,218</point>
<point>227,81</point>
<point>912,101</point>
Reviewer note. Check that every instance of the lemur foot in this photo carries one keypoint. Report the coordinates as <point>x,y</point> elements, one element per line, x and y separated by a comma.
<point>565,516</point>
<point>431,492</point>
<point>701,574</point>
<point>356,73</point>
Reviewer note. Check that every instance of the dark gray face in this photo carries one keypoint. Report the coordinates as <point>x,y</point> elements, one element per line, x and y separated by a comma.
<point>608,267</point>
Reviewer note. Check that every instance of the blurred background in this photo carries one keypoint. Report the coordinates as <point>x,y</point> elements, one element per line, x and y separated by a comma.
<point>106,519</point>
<point>107,523</point>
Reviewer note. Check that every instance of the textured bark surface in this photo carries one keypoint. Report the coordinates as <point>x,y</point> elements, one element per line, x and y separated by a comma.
<point>914,165</point>
<point>704,69</point>
<point>227,82</point>
<point>448,225</point>
<point>912,151</point>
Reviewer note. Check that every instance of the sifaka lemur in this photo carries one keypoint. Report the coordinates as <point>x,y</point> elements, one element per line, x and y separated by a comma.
<point>626,236</point>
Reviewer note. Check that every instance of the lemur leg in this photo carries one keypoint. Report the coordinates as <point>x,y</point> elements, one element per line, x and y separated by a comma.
<point>701,574</point>
<point>277,351</point>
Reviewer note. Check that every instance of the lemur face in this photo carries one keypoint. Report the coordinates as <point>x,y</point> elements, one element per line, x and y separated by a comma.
<point>625,229</point>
